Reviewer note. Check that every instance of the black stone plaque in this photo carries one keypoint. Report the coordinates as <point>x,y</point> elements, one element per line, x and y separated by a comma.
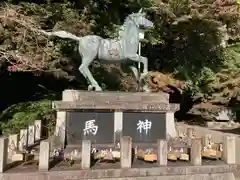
<point>95,126</point>
<point>144,127</point>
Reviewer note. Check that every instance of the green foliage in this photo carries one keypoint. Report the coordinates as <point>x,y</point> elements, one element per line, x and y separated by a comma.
<point>186,41</point>
<point>20,115</point>
<point>189,37</point>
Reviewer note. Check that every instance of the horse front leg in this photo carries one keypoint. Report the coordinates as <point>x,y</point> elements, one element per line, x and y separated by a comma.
<point>140,59</point>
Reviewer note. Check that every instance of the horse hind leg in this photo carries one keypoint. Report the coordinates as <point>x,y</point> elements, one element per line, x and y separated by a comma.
<point>84,69</point>
<point>88,49</point>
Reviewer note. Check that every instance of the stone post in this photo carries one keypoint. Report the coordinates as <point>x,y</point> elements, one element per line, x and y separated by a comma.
<point>31,135</point>
<point>23,139</point>
<point>206,140</point>
<point>38,129</point>
<point>3,153</point>
<point>61,126</point>
<point>44,155</point>
<point>170,124</point>
<point>180,131</point>
<point>196,152</point>
<point>12,144</point>
<point>86,154</point>
<point>189,135</point>
<point>189,132</point>
<point>118,123</point>
<point>162,152</point>
<point>229,149</point>
<point>126,152</point>
<point>13,139</point>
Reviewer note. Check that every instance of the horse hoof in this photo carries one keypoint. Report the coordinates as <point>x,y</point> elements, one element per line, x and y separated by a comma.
<point>94,88</point>
<point>98,89</point>
<point>90,88</point>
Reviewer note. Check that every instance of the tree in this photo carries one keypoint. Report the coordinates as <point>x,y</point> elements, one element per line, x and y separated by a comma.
<point>194,36</point>
<point>193,40</point>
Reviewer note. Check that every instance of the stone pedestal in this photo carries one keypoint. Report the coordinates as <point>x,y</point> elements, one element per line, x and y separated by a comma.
<point>162,147</point>
<point>229,149</point>
<point>44,156</point>
<point>104,117</point>
<point>86,153</point>
<point>195,154</point>
<point>3,153</point>
<point>126,152</point>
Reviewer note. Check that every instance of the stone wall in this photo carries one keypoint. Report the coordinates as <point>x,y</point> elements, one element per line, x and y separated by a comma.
<point>221,172</point>
<point>193,171</point>
<point>217,136</point>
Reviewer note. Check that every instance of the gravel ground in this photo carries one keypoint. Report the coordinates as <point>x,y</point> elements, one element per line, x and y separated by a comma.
<point>237,176</point>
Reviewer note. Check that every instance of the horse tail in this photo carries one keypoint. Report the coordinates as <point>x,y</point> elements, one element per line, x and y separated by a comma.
<point>62,34</point>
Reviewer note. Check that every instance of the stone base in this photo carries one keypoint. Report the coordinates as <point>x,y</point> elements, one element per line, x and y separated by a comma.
<point>114,114</point>
<point>115,101</point>
<point>217,172</point>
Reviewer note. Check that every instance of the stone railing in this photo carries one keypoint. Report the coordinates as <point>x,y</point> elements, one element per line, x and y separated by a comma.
<point>14,146</point>
<point>228,153</point>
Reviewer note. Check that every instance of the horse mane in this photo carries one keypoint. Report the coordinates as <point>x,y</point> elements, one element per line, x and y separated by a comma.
<point>121,30</point>
<point>122,27</point>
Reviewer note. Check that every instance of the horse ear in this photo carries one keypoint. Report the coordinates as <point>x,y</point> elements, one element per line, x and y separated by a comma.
<point>140,11</point>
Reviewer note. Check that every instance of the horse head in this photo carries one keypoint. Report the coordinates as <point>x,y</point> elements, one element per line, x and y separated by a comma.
<point>140,20</point>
